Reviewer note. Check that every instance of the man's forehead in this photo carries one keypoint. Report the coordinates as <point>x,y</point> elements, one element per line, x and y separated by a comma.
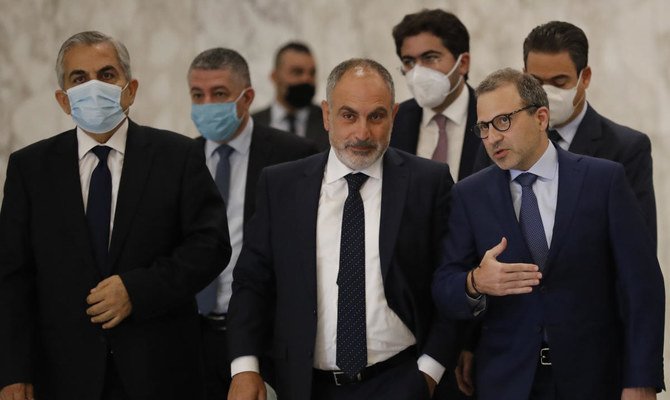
<point>293,57</point>
<point>550,64</point>
<point>86,56</point>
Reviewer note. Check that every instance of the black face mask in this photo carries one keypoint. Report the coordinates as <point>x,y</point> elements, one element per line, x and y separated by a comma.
<point>300,95</point>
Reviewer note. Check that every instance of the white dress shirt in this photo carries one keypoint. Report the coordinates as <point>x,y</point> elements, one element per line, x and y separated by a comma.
<point>88,161</point>
<point>239,162</point>
<point>278,119</point>
<point>569,131</point>
<point>386,334</point>
<point>457,117</point>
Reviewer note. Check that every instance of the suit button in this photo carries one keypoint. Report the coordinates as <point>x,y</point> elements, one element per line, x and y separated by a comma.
<point>314,311</point>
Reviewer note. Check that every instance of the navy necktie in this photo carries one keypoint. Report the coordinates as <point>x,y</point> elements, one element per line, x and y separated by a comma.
<point>554,136</point>
<point>531,220</point>
<point>207,297</point>
<point>352,355</point>
<point>99,208</point>
<point>290,118</point>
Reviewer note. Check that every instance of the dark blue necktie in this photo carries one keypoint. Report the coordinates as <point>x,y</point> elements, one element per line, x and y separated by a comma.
<point>99,208</point>
<point>554,136</point>
<point>352,354</point>
<point>531,221</point>
<point>207,297</point>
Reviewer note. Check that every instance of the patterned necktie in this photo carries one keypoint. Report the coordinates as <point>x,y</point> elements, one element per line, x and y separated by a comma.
<point>554,136</point>
<point>207,297</point>
<point>290,118</point>
<point>352,355</point>
<point>99,208</point>
<point>531,221</point>
<point>440,153</point>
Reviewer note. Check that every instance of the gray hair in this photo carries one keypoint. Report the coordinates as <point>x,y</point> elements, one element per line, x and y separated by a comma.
<point>530,89</point>
<point>363,63</point>
<point>90,38</point>
<point>220,58</point>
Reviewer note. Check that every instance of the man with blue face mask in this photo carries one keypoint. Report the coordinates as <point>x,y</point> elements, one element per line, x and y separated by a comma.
<point>433,46</point>
<point>107,232</point>
<point>236,150</point>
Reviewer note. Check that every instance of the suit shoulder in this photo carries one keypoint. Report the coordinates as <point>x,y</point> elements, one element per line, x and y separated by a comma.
<point>45,146</point>
<point>419,164</point>
<point>262,114</point>
<point>626,136</point>
<point>283,141</point>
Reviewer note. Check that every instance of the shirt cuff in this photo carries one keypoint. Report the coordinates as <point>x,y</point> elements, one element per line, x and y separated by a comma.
<point>244,364</point>
<point>477,304</point>
<point>430,367</point>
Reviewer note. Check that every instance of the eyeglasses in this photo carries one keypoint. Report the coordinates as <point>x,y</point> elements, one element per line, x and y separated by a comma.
<point>428,59</point>
<point>500,122</point>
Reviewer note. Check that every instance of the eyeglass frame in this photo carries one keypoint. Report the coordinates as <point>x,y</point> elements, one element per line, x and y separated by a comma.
<point>476,130</point>
<point>429,58</point>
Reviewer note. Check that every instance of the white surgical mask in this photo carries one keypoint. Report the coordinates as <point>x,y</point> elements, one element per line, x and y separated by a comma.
<point>561,103</point>
<point>430,87</point>
<point>95,106</point>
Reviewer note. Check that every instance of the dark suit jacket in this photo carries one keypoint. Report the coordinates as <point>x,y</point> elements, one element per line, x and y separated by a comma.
<point>407,125</point>
<point>269,146</point>
<point>170,238</point>
<point>599,137</point>
<point>601,298</point>
<point>276,272</point>
<point>315,131</point>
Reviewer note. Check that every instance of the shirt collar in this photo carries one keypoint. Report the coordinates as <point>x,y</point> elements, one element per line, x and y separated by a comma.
<point>117,141</point>
<point>569,131</point>
<point>279,113</point>
<point>335,169</point>
<point>241,143</point>
<point>457,111</point>
<point>545,168</point>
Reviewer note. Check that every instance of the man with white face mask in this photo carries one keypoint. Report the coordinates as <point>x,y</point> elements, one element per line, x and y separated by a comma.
<point>433,46</point>
<point>236,150</point>
<point>107,232</point>
<point>556,53</point>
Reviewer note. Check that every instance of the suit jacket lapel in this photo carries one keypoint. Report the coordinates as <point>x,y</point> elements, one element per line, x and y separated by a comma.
<point>470,142</point>
<point>64,170</point>
<point>570,182</point>
<point>308,190</point>
<point>259,151</point>
<point>136,165</point>
<point>394,193</point>
<point>589,134</point>
<point>504,208</point>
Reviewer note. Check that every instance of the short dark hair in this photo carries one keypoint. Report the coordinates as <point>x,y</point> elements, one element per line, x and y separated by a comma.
<point>440,23</point>
<point>530,89</point>
<point>291,46</point>
<point>558,36</point>
<point>220,58</point>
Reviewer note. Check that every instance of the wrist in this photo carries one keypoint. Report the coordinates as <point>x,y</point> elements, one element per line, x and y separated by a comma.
<point>471,284</point>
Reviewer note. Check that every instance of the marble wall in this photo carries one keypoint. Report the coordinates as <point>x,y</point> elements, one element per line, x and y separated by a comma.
<point>629,54</point>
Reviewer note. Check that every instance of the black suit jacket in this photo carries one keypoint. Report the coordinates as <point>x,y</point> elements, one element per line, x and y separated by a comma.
<point>269,146</point>
<point>170,238</point>
<point>407,125</point>
<point>315,130</point>
<point>276,272</point>
<point>600,137</point>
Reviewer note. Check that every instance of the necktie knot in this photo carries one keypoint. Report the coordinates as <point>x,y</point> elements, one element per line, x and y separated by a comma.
<point>526,179</point>
<point>224,151</point>
<point>101,152</point>
<point>554,136</point>
<point>440,120</point>
<point>355,181</point>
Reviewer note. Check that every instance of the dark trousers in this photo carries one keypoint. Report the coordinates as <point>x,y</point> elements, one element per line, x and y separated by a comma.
<point>402,382</point>
<point>217,367</point>
<point>544,386</point>
<point>113,387</point>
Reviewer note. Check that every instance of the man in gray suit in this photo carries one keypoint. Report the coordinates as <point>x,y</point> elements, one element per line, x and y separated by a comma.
<point>292,110</point>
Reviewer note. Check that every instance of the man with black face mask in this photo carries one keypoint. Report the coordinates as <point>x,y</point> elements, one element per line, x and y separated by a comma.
<point>292,111</point>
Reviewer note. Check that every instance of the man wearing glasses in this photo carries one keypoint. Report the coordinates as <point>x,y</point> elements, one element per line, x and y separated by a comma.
<point>433,46</point>
<point>553,257</point>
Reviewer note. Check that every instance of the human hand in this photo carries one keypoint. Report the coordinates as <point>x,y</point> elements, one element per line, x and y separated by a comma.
<point>247,386</point>
<point>110,303</point>
<point>17,391</point>
<point>638,394</point>
<point>500,279</point>
<point>430,382</point>
<point>463,372</point>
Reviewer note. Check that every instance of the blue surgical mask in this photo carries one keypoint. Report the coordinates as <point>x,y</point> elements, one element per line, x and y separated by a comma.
<point>96,106</point>
<point>217,121</point>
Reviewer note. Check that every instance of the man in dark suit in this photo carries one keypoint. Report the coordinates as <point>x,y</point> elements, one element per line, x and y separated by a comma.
<point>107,231</point>
<point>433,46</point>
<point>339,258</point>
<point>553,257</point>
<point>235,152</point>
<point>294,77</point>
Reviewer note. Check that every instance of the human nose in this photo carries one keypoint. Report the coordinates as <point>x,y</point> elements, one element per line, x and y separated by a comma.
<point>494,135</point>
